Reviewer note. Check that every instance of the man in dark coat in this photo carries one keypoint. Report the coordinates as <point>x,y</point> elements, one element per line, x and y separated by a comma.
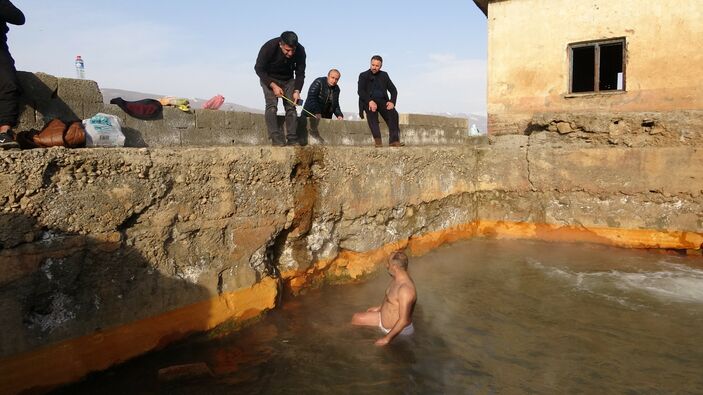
<point>323,101</point>
<point>280,66</point>
<point>374,86</point>
<point>9,87</point>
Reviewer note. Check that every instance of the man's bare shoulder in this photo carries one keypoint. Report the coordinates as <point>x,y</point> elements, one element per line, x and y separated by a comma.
<point>407,290</point>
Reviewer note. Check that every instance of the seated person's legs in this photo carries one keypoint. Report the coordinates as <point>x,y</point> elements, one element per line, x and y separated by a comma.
<point>372,120</point>
<point>391,118</point>
<point>9,98</point>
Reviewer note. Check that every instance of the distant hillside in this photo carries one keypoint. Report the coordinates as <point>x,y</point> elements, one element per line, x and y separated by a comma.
<point>195,103</point>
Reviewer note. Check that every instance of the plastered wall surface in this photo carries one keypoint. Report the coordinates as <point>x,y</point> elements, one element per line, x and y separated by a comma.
<point>529,63</point>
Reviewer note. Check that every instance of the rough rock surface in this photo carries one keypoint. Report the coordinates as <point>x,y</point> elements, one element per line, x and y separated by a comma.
<point>97,238</point>
<point>628,129</point>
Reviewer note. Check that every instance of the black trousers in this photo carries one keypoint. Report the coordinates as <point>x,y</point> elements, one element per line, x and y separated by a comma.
<point>312,123</point>
<point>9,90</point>
<point>391,119</point>
<point>275,133</point>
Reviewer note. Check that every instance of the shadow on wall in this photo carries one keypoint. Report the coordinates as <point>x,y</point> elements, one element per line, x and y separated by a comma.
<point>65,299</point>
<point>40,102</point>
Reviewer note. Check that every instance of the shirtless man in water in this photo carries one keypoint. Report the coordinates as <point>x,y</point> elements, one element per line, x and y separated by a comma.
<point>394,316</point>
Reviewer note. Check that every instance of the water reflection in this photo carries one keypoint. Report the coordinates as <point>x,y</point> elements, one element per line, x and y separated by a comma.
<point>492,317</point>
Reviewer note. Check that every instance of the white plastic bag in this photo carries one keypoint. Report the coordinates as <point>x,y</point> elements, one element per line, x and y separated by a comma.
<point>103,130</point>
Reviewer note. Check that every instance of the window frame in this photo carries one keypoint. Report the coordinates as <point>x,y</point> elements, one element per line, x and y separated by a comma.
<point>596,75</point>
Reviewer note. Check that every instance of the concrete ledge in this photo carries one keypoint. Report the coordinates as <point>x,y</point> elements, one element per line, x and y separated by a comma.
<point>434,120</point>
<point>46,97</point>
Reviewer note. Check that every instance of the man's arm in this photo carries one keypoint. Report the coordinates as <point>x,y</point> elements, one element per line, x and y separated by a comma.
<point>300,68</point>
<point>11,14</point>
<point>362,90</point>
<point>405,305</point>
<point>265,53</point>
<point>312,101</point>
<point>392,89</point>
<point>337,109</point>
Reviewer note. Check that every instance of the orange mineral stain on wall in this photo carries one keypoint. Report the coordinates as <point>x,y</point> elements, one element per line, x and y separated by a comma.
<point>68,361</point>
<point>352,266</point>
<point>346,266</point>
<point>628,238</point>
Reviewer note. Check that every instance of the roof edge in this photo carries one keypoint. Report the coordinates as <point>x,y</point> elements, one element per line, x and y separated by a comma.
<point>483,5</point>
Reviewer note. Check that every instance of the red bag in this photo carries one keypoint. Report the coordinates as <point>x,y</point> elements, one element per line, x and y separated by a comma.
<point>215,103</point>
<point>146,109</point>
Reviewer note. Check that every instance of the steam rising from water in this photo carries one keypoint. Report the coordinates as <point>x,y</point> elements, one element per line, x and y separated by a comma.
<point>670,283</point>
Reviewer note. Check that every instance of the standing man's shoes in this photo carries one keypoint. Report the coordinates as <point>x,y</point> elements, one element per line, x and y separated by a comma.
<point>396,144</point>
<point>277,140</point>
<point>7,141</point>
<point>378,143</point>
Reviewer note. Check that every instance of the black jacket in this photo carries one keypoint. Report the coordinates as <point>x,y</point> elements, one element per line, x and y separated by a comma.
<point>272,65</point>
<point>317,100</point>
<point>366,81</point>
<point>8,14</point>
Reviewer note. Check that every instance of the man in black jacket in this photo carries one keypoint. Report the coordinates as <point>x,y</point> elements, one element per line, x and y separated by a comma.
<point>280,66</point>
<point>9,87</point>
<point>323,101</point>
<point>374,86</point>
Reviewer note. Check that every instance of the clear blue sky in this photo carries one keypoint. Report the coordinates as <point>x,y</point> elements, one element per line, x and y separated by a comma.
<point>435,52</point>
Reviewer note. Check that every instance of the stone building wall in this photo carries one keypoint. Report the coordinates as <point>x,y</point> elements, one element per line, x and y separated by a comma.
<point>529,70</point>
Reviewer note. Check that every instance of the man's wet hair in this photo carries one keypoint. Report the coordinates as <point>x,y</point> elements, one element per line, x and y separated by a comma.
<point>400,259</point>
<point>377,57</point>
<point>289,38</point>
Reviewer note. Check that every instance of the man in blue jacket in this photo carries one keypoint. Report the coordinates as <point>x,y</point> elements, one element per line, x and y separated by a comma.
<point>280,66</point>
<point>323,101</point>
<point>374,86</point>
<point>9,87</point>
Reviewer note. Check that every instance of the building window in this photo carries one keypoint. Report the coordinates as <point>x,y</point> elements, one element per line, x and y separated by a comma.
<point>597,66</point>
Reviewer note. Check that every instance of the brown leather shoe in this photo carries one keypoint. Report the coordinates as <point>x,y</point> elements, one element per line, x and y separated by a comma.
<point>51,135</point>
<point>378,143</point>
<point>396,144</point>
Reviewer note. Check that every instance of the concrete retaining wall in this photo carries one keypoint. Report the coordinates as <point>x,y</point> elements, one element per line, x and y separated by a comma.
<point>47,97</point>
<point>157,243</point>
